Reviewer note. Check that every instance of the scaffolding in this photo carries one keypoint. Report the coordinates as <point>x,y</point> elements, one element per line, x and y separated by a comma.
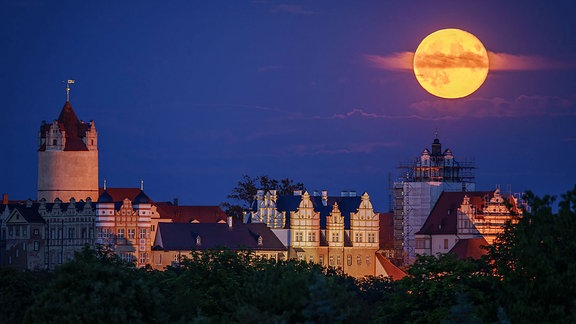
<point>420,183</point>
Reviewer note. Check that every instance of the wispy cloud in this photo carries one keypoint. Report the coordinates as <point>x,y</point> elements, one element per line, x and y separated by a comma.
<point>292,9</point>
<point>360,113</point>
<point>511,62</point>
<point>394,61</point>
<point>522,106</point>
<point>403,61</point>
<point>326,149</point>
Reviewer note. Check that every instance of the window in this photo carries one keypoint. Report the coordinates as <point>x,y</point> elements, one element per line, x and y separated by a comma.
<point>143,233</point>
<point>359,260</point>
<point>143,257</point>
<point>331,260</point>
<point>260,241</point>
<point>367,259</point>
<point>321,259</point>
<point>335,237</point>
<point>83,233</point>
<point>371,237</point>
<point>358,237</point>
<point>54,142</point>
<point>349,259</point>
<point>445,244</point>
<point>131,233</point>
<point>198,240</point>
<point>120,233</point>
<point>17,231</point>
<point>71,233</point>
<point>339,260</point>
<point>311,237</point>
<point>311,259</point>
<point>36,245</point>
<point>299,236</point>
<point>10,231</point>
<point>24,232</point>
<point>153,228</point>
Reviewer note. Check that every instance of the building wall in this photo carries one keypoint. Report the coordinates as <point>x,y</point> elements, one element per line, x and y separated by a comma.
<point>67,174</point>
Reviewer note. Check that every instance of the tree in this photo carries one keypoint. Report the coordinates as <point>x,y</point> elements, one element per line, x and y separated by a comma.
<point>535,261</point>
<point>243,194</point>
<point>97,287</point>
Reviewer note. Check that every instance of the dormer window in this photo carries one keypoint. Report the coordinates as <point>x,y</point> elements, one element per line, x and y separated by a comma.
<point>259,240</point>
<point>54,142</point>
<point>198,240</point>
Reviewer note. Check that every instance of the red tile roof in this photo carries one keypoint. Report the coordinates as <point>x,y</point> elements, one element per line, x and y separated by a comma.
<point>189,214</point>
<point>470,248</point>
<point>391,270</point>
<point>443,217</point>
<point>75,129</point>
<point>119,194</point>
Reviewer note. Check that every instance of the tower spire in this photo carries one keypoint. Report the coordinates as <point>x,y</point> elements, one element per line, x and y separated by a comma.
<point>68,83</point>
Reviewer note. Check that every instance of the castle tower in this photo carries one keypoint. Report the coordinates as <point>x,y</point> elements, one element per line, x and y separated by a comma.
<point>415,193</point>
<point>67,158</point>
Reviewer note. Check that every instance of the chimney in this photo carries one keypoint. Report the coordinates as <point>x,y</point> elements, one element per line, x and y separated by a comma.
<point>175,202</point>
<point>5,199</point>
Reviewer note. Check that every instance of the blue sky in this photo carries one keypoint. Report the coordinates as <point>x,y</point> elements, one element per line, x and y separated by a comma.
<point>191,95</point>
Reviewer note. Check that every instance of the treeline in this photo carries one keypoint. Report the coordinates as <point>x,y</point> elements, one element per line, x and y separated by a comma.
<point>529,275</point>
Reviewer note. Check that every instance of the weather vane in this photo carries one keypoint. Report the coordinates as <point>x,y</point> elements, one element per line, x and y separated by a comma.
<point>68,83</point>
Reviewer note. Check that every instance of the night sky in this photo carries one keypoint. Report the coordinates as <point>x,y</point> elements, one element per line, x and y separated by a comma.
<point>190,95</point>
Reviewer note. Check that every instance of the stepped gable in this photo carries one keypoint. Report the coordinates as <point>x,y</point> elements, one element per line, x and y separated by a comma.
<point>443,217</point>
<point>75,129</point>
<point>346,205</point>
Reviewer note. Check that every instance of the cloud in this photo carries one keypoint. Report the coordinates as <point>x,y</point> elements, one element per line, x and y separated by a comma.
<point>394,61</point>
<point>327,149</point>
<point>522,106</point>
<point>293,9</point>
<point>402,61</point>
<point>442,60</point>
<point>511,62</point>
<point>360,113</point>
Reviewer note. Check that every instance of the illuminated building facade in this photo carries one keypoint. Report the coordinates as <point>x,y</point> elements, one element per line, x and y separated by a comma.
<point>417,190</point>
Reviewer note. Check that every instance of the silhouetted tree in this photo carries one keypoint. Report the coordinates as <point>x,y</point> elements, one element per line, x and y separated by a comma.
<point>535,262</point>
<point>243,193</point>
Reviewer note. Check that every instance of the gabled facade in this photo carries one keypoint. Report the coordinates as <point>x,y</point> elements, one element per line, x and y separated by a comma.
<point>125,226</point>
<point>466,215</point>
<point>24,247</point>
<point>339,231</point>
<point>417,190</point>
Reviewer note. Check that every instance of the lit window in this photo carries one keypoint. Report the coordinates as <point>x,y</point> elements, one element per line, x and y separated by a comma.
<point>445,244</point>
<point>131,233</point>
<point>311,259</point>
<point>367,259</point>
<point>143,233</point>
<point>339,260</point>
<point>321,259</point>
<point>349,259</point>
<point>198,240</point>
<point>331,260</point>
<point>359,260</point>
<point>120,233</point>
<point>36,245</point>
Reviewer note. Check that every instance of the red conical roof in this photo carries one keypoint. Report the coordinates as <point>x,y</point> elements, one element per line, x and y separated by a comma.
<point>73,127</point>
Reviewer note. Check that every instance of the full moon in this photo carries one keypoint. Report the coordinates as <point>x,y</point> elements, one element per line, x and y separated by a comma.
<point>451,63</point>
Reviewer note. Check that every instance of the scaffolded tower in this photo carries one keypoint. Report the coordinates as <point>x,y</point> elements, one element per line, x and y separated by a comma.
<point>417,189</point>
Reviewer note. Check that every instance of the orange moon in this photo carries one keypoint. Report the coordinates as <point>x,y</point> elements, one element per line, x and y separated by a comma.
<point>451,63</point>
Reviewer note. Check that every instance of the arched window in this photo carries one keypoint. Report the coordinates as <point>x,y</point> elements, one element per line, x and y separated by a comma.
<point>198,240</point>
<point>259,240</point>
